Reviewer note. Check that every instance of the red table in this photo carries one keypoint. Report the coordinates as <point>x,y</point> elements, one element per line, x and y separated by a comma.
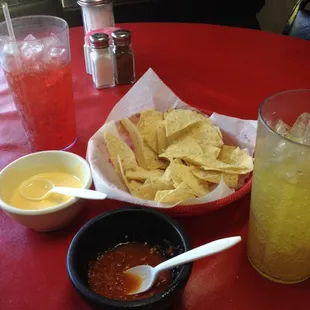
<point>222,69</point>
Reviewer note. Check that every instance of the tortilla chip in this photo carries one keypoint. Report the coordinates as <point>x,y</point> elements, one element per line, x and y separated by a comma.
<point>238,162</point>
<point>178,161</point>
<point>162,142</point>
<point>136,188</point>
<point>200,160</point>
<point>177,120</point>
<point>117,147</point>
<point>203,132</point>
<point>181,193</point>
<point>237,158</point>
<point>158,183</point>
<point>185,174</point>
<point>231,179</point>
<point>121,170</point>
<point>241,158</point>
<point>148,118</point>
<point>148,190</point>
<point>172,177</point>
<point>147,127</point>
<point>226,153</point>
<point>144,192</point>
<point>183,148</point>
<point>210,151</point>
<point>164,163</point>
<point>140,174</point>
<point>150,137</point>
<point>147,181</point>
<point>146,157</point>
<point>134,185</point>
<point>151,159</point>
<point>230,168</point>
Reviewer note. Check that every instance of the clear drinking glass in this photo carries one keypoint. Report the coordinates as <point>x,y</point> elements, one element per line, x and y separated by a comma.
<point>38,72</point>
<point>279,227</point>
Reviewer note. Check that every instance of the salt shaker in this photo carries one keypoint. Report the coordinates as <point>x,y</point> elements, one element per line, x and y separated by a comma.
<point>123,57</point>
<point>102,64</point>
<point>97,14</point>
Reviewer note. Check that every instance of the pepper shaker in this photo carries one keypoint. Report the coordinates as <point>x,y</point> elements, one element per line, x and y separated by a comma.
<point>97,14</point>
<point>123,57</point>
<point>101,58</point>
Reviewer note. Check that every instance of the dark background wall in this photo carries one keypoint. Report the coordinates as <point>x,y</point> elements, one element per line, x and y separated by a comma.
<point>240,13</point>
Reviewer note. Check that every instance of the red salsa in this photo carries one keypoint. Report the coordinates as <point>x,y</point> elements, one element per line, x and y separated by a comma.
<point>106,275</point>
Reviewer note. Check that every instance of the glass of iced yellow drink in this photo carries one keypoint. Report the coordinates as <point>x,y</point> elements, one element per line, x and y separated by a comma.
<point>279,227</point>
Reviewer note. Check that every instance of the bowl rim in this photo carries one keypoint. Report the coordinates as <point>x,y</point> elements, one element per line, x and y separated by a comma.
<point>101,300</point>
<point>8,208</point>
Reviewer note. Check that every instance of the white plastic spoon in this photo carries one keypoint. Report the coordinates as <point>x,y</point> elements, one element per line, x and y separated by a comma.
<point>149,274</point>
<point>39,189</point>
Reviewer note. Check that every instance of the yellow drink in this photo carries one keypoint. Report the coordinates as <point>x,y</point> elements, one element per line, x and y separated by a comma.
<point>279,228</point>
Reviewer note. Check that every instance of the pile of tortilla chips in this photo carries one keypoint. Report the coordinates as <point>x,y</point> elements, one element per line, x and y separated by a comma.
<point>176,156</point>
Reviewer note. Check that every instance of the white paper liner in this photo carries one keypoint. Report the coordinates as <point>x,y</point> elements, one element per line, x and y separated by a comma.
<point>150,92</point>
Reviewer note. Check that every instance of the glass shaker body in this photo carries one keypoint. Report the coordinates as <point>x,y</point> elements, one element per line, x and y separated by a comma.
<point>97,14</point>
<point>124,64</point>
<point>123,57</point>
<point>101,61</point>
<point>102,68</point>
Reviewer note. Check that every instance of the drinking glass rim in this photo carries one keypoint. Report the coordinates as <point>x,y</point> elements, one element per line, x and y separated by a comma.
<point>269,128</point>
<point>63,29</point>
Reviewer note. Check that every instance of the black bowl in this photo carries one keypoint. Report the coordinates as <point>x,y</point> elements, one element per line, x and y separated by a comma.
<point>119,226</point>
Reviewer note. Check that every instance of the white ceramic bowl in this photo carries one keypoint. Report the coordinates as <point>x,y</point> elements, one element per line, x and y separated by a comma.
<point>50,218</point>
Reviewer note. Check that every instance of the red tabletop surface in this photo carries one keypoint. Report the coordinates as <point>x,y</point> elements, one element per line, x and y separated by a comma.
<point>222,69</point>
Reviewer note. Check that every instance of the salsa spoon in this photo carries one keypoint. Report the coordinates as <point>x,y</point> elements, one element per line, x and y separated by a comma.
<point>148,274</point>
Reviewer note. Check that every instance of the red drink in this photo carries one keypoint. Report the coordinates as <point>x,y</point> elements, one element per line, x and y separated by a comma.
<point>38,71</point>
<point>44,100</point>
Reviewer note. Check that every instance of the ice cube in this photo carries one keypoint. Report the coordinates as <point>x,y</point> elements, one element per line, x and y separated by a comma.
<point>51,41</point>
<point>300,131</point>
<point>56,57</point>
<point>32,50</point>
<point>32,53</point>
<point>8,57</point>
<point>3,40</point>
<point>30,37</point>
<point>282,128</point>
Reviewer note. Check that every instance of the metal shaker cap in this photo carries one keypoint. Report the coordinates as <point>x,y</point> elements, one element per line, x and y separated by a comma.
<point>93,2</point>
<point>121,37</point>
<point>99,40</point>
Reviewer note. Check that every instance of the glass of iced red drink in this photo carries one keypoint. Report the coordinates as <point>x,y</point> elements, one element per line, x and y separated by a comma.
<point>38,71</point>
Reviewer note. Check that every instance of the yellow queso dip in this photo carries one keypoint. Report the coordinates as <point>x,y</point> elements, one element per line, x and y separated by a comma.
<point>58,179</point>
